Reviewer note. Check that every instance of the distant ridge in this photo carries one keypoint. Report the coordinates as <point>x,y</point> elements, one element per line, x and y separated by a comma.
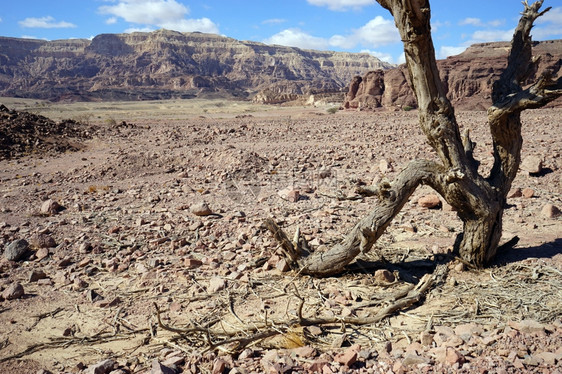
<point>167,64</point>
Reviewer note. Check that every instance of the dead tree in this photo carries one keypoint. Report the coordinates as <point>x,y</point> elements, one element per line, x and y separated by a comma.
<point>478,200</point>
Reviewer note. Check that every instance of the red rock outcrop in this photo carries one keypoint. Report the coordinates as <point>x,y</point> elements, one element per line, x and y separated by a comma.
<point>468,78</point>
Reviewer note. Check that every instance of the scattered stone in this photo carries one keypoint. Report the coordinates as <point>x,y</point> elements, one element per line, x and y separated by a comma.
<point>347,358</point>
<point>426,338</point>
<point>43,241</point>
<point>528,193</point>
<point>192,263</point>
<point>42,253</point>
<point>289,194</point>
<point>36,275</point>
<point>282,265</point>
<point>514,192</point>
<point>102,367</point>
<point>158,368</point>
<point>384,276</point>
<point>527,326</point>
<point>385,166</point>
<point>201,209</point>
<point>50,207</point>
<point>16,250</point>
<point>431,201</point>
<point>216,284</point>
<point>305,352</point>
<point>532,164</point>
<point>14,291</point>
<point>550,211</point>
<point>453,356</point>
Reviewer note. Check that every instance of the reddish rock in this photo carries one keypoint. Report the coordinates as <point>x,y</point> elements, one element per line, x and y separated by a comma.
<point>201,209</point>
<point>550,211</point>
<point>216,284</point>
<point>50,207</point>
<point>528,193</point>
<point>532,164</point>
<point>192,263</point>
<point>347,358</point>
<point>384,276</point>
<point>14,291</point>
<point>514,192</point>
<point>429,201</point>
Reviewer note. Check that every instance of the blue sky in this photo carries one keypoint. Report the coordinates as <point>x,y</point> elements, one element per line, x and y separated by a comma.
<point>339,25</point>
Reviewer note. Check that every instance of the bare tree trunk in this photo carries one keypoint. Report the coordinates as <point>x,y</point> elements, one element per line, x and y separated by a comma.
<point>479,201</point>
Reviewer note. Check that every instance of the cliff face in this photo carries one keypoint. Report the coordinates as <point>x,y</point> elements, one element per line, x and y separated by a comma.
<point>467,77</point>
<point>165,64</point>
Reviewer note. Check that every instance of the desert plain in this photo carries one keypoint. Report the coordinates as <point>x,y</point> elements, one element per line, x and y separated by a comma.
<point>156,212</point>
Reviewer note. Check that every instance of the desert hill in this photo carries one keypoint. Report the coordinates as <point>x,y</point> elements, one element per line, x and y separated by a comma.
<point>468,78</point>
<point>168,64</point>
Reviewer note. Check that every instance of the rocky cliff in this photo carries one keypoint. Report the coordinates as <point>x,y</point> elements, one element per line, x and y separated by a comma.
<point>167,64</point>
<point>467,77</point>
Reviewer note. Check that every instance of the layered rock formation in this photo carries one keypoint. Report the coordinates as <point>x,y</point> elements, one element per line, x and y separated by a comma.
<point>169,64</point>
<point>468,78</point>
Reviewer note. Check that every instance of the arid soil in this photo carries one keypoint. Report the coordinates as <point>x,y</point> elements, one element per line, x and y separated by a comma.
<point>165,210</point>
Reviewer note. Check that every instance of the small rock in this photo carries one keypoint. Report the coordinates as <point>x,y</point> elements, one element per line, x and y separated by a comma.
<point>219,366</point>
<point>384,276</point>
<point>347,358</point>
<point>550,211</point>
<point>41,253</point>
<point>102,367</point>
<point>453,356</point>
<point>50,207</point>
<point>192,263</point>
<point>289,194</point>
<point>528,193</point>
<point>201,209</point>
<point>514,192</point>
<point>429,201</point>
<point>14,291</point>
<point>16,249</point>
<point>385,166</point>
<point>532,164</point>
<point>305,352</point>
<point>426,338</point>
<point>216,284</point>
<point>43,241</point>
<point>527,326</point>
<point>158,368</point>
<point>282,265</point>
<point>35,275</point>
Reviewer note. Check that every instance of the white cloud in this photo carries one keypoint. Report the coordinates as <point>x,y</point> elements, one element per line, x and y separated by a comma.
<point>111,21</point>
<point>297,38</point>
<point>161,13</point>
<point>477,22</point>
<point>273,21</point>
<point>47,22</point>
<point>446,51</point>
<point>187,25</point>
<point>483,36</point>
<point>341,4</point>
<point>383,56</point>
<point>549,26</point>
<point>471,21</point>
<point>377,32</point>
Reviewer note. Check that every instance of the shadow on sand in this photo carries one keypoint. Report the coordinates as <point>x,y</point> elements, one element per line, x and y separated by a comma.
<point>546,250</point>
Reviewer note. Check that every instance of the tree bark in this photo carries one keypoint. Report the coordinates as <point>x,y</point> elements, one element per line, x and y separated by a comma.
<point>478,200</point>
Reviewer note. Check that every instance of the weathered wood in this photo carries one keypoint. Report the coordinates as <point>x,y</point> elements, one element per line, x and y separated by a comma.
<point>479,201</point>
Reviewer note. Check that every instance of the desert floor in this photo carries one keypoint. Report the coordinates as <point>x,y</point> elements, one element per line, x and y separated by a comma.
<point>126,239</point>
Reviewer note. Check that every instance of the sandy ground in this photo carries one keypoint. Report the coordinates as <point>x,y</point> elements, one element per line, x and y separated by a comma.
<point>128,238</point>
